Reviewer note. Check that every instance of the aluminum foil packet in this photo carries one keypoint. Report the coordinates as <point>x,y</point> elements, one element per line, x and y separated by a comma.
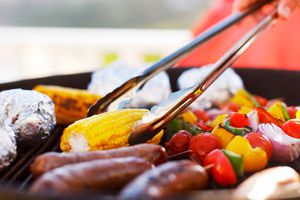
<point>105,80</point>
<point>8,147</point>
<point>220,91</point>
<point>29,113</point>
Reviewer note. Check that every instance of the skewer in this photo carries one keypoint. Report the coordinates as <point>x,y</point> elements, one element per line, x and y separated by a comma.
<point>174,156</point>
<point>161,115</point>
<point>120,97</point>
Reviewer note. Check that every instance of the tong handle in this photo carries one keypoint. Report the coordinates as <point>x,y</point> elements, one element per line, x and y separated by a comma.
<point>144,132</point>
<point>137,82</point>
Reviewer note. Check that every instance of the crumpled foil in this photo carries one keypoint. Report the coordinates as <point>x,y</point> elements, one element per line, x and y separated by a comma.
<point>105,80</point>
<point>29,113</point>
<point>220,91</point>
<point>8,147</point>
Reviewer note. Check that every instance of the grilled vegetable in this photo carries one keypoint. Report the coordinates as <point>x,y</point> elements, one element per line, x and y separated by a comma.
<point>104,131</point>
<point>239,145</point>
<point>239,120</point>
<point>203,144</point>
<point>265,117</point>
<point>285,148</point>
<point>259,140</point>
<point>278,111</point>
<point>218,120</point>
<point>237,131</point>
<point>236,161</point>
<point>292,110</point>
<point>292,128</point>
<point>190,117</point>
<point>255,159</point>
<point>70,104</point>
<point>179,142</point>
<point>223,135</point>
<point>222,170</point>
<point>244,98</point>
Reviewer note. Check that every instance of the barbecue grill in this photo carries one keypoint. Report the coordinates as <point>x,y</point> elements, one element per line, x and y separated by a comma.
<point>16,179</point>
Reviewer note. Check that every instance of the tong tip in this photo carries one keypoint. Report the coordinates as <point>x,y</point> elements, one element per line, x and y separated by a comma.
<point>141,133</point>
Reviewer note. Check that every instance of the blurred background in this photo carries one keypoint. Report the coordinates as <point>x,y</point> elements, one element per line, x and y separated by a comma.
<point>47,37</point>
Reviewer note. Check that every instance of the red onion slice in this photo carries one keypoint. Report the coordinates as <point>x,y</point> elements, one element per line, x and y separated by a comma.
<point>285,148</point>
<point>253,120</point>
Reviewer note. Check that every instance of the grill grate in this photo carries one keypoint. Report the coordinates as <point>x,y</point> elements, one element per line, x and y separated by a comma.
<point>18,175</point>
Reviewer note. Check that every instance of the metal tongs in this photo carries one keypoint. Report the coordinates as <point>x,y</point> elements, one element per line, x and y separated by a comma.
<point>122,95</point>
<point>159,116</point>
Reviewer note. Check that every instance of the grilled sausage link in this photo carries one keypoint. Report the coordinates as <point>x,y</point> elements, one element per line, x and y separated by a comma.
<point>107,175</point>
<point>154,154</point>
<point>165,180</point>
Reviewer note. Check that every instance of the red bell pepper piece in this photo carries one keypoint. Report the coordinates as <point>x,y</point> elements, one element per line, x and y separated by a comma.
<point>230,106</point>
<point>222,169</point>
<point>203,126</point>
<point>201,115</point>
<point>265,117</point>
<point>261,100</point>
<point>292,111</point>
<point>239,120</point>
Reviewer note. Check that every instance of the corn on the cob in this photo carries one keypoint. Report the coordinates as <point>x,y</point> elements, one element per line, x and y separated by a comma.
<point>104,131</point>
<point>70,104</point>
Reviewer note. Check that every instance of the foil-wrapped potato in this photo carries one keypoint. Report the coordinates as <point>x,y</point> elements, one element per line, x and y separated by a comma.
<point>26,117</point>
<point>29,113</point>
<point>8,147</point>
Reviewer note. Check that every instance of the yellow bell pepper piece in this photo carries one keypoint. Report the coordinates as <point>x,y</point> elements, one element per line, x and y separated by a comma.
<point>242,98</point>
<point>245,110</point>
<point>223,135</point>
<point>255,159</point>
<point>298,114</point>
<point>218,120</point>
<point>190,117</point>
<point>242,92</point>
<point>276,111</point>
<point>239,145</point>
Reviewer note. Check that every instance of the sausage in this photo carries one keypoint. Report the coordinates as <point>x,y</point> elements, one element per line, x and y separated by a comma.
<point>165,180</point>
<point>107,175</point>
<point>155,154</point>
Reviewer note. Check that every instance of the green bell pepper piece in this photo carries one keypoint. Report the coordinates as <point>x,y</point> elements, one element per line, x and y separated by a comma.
<point>237,131</point>
<point>236,161</point>
<point>285,113</point>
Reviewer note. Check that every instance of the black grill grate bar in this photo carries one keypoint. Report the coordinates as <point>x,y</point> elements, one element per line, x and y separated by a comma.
<point>19,174</point>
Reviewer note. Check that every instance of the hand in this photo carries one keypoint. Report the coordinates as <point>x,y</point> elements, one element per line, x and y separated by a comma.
<point>285,7</point>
